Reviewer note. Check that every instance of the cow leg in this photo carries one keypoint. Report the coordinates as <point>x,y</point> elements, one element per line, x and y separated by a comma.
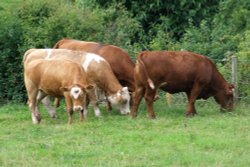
<point>94,103</point>
<point>57,102</point>
<point>109,105</point>
<point>51,110</point>
<point>139,92</point>
<point>192,96</point>
<point>33,104</point>
<point>93,99</point>
<point>85,110</point>
<point>150,98</point>
<point>32,92</point>
<point>70,109</point>
<point>81,116</point>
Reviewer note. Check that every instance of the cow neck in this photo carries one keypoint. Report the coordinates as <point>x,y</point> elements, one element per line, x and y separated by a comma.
<point>112,86</point>
<point>218,82</point>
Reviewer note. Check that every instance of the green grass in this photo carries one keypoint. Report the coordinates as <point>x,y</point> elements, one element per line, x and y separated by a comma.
<point>209,139</point>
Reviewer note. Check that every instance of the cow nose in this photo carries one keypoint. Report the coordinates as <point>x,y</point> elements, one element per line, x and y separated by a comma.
<point>78,108</point>
<point>124,112</point>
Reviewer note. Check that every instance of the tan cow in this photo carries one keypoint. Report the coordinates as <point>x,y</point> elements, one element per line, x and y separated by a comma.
<point>98,73</point>
<point>55,78</point>
<point>182,71</point>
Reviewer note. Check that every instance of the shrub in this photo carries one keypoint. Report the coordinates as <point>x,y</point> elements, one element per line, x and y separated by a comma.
<point>11,78</point>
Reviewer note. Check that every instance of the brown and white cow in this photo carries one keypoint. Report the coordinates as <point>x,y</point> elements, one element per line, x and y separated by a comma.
<point>55,78</point>
<point>98,72</point>
<point>179,71</point>
<point>119,60</point>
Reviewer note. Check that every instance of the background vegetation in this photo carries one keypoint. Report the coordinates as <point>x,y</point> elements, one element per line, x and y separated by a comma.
<point>217,28</point>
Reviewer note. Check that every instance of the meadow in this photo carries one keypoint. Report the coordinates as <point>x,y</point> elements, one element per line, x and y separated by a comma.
<point>209,139</point>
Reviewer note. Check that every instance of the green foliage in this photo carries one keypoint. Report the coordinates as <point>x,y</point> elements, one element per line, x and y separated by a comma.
<point>11,78</point>
<point>212,28</point>
<point>217,36</point>
<point>243,66</point>
<point>177,13</point>
<point>40,24</point>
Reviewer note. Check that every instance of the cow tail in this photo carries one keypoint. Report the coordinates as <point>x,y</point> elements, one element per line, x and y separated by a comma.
<point>149,80</point>
<point>56,46</point>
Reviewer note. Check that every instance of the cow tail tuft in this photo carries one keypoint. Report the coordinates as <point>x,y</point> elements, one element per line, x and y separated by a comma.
<point>151,84</point>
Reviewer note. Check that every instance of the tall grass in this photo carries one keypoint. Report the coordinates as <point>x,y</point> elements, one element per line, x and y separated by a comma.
<point>209,139</point>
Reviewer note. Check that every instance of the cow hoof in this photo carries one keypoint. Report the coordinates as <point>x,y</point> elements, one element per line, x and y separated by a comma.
<point>190,114</point>
<point>152,116</point>
<point>54,116</point>
<point>157,97</point>
<point>133,115</point>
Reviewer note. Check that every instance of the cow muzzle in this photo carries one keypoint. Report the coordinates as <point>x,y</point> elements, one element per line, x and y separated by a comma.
<point>78,108</point>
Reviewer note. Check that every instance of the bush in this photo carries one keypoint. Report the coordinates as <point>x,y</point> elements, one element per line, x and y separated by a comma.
<point>40,24</point>
<point>11,77</point>
<point>243,66</point>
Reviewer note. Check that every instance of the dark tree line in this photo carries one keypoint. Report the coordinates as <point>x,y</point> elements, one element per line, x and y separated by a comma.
<point>216,28</point>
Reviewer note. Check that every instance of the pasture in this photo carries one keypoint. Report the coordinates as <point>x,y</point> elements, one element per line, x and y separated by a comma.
<point>209,139</point>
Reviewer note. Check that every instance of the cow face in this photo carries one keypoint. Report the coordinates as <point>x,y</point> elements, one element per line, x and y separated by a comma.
<point>121,100</point>
<point>225,97</point>
<point>77,94</point>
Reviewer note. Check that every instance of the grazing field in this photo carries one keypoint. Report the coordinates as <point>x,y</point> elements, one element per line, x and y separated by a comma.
<point>210,139</point>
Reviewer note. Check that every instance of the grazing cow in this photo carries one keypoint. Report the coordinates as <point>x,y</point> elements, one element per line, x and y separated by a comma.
<point>182,71</point>
<point>98,72</point>
<point>55,78</point>
<point>119,60</point>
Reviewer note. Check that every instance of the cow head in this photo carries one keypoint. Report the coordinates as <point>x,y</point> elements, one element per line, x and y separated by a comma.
<point>121,100</point>
<point>225,97</point>
<point>77,94</point>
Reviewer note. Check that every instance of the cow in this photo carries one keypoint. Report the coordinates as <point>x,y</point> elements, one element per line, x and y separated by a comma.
<point>121,63</point>
<point>179,71</point>
<point>56,78</point>
<point>98,73</point>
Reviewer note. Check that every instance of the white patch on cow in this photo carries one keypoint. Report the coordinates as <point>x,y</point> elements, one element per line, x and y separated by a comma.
<point>91,57</point>
<point>49,54</point>
<point>121,100</point>
<point>151,84</point>
<point>34,119</point>
<point>75,92</point>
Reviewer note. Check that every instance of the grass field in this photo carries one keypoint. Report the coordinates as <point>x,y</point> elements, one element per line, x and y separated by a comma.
<point>209,139</point>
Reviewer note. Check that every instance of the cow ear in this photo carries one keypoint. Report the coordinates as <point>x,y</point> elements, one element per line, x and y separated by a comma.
<point>230,89</point>
<point>89,87</point>
<point>64,89</point>
<point>86,88</point>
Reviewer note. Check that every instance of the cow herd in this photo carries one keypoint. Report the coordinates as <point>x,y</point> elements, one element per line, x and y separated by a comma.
<point>87,72</point>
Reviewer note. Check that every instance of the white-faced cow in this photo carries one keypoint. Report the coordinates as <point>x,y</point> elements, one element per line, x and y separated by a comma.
<point>119,60</point>
<point>182,71</point>
<point>98,73</point>
<point>55,78</point>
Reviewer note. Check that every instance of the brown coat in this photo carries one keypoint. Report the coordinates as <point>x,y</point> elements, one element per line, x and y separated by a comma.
<point>182,71</point>
<point>119,60</point>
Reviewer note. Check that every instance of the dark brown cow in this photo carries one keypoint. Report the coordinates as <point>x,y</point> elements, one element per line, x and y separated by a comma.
<point>174,72</point>
<point>119,60</point>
